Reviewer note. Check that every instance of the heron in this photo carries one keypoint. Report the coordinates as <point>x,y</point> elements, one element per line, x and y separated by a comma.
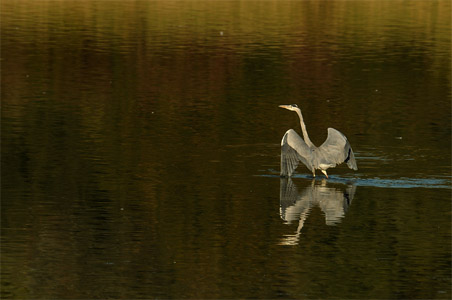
<point>335,150</point>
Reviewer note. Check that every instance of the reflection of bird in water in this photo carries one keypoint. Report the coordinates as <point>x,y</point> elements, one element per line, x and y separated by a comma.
<point>294,205</point>
<point>334,151</point>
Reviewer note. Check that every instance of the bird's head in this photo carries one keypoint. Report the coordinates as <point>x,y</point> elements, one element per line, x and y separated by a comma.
<point>291,107</point>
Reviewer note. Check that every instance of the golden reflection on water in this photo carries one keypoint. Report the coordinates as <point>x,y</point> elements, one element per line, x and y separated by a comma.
<point>155,51</point>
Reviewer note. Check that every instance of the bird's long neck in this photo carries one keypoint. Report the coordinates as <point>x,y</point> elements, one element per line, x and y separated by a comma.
<point>303,128</point>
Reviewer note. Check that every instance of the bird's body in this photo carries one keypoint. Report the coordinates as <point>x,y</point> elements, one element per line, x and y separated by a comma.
<point>334,151</point>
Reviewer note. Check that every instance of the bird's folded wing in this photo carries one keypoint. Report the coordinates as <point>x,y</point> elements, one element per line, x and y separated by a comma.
<point>293,150</point>
<point>336,150</point>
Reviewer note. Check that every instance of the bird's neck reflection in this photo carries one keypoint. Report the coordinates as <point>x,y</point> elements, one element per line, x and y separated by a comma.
<point>334,201</point>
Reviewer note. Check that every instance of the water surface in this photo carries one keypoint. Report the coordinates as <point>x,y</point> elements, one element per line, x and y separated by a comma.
<point>140,149</point>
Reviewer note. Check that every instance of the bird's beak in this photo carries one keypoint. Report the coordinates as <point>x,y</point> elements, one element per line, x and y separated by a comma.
<point>285,106</point>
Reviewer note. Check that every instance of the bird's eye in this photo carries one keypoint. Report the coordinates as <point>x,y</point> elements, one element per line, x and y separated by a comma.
<point>294,105</point>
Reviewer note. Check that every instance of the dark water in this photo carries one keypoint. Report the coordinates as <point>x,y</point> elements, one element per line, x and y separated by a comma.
<point>141,139</point>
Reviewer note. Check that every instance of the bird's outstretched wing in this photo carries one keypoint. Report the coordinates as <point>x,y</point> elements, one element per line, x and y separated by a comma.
<point>335,150</point>
<point>294,150</point>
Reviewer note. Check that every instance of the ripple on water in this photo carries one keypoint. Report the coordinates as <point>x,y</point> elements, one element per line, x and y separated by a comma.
<point>403,182</point>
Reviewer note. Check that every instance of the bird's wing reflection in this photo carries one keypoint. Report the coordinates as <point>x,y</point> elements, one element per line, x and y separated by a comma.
<point>295,205</point>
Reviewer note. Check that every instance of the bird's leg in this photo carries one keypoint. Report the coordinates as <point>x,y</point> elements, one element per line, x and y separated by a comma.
<point>324,172</point>
<point>313,173</point>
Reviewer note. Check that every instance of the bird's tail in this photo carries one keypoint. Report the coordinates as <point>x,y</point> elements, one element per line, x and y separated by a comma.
<point>351,162</point>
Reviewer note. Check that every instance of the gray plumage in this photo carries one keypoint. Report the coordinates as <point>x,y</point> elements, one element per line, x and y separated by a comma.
<point>334,151</point>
